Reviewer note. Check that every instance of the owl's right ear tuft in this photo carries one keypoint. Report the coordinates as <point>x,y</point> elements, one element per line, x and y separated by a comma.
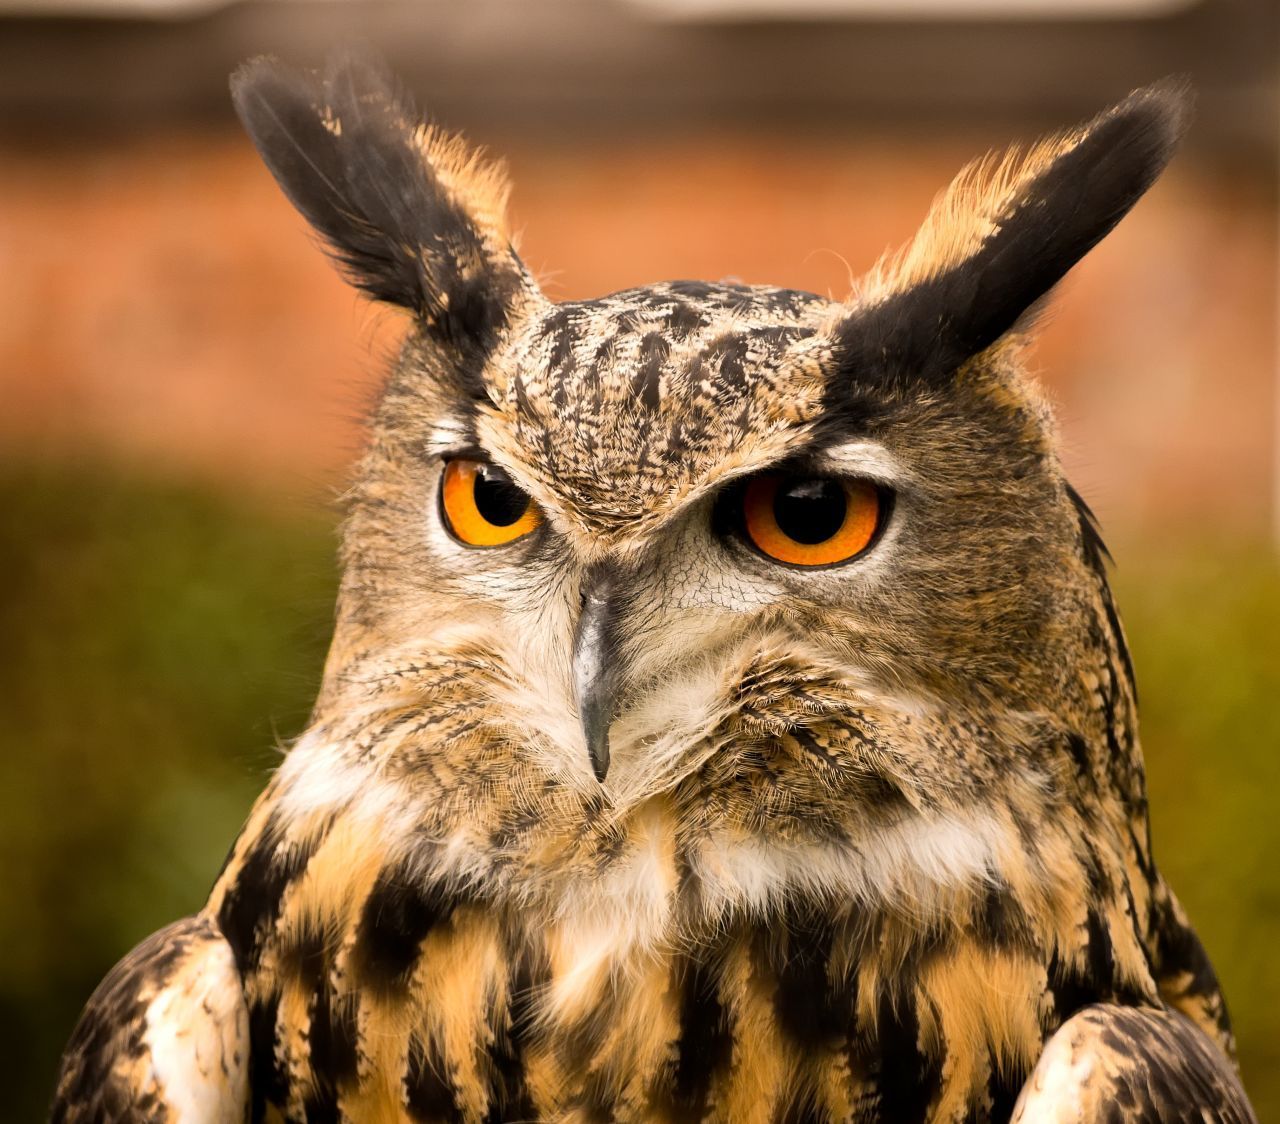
<point>410,214</point>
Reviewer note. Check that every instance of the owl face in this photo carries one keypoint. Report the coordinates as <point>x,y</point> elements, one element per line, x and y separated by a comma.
<point>692,516</point>
<point>652,495</point>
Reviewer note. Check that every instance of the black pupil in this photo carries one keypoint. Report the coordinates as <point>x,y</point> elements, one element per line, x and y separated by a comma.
<point>810,511</point>
<point>497,498</point>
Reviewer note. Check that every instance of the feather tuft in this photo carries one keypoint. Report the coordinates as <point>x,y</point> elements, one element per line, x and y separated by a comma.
<point>1003,235</point>
<point>409,212</point>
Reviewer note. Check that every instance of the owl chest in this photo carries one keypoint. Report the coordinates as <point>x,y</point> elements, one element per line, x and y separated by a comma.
<point>433,1009</point>
<point>667,984</point>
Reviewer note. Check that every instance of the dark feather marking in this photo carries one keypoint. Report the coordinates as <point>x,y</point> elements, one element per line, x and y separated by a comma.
<point>1178,951</point>
<point>1099,953</point>
<point>511,1097</point>
<point>1003,1089</point>
<point>1095,549</point>
<point>1098,557</point>
<point>684,319</point>
<point>321,1107</point>
<point>907,1078</point>
<point>268,1081</point>
<point>429,1094</point>
<point>558,327</point>
<point>647,379</point>
<point>1000,921</point>
<point>395,920</point>
<point>252,904</point>
<point>1074,989</point>
<point>1078,750</point>
<point>1070,988</point>
<point>804,738</point>
<point>321,1102</point>
<point>305,955</point>
<point>332,1042</point>
<point>727,353</point>
<point>813,1009</point>
<point>704,1047</point>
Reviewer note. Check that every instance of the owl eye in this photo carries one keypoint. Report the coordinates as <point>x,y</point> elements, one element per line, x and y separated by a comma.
<point>811,520</point>
<point>482,506</point>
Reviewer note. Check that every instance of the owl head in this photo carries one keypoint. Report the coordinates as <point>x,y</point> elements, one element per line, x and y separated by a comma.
<point>683,523</point>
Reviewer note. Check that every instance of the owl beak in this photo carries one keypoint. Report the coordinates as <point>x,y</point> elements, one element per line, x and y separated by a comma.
<point>596,666</point>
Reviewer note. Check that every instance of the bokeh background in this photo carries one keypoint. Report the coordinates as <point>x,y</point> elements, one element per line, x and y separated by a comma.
<point>182,379</point>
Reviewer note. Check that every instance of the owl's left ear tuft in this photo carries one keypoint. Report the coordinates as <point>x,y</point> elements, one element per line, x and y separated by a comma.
<point>1003,235</point>
<point>410,214</point>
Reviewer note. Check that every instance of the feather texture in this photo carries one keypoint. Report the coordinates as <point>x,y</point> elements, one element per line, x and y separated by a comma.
<point>165,1038</point>
<point>411,215</point>
<point>1127,1064</point>
<point>1004,233</point>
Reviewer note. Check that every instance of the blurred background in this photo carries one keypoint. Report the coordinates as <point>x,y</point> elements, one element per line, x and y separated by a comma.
<point>182,379</point>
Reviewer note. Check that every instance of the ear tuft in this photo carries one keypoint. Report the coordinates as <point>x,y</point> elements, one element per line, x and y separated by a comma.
<point>1008,229</point>
<point>411,214</point>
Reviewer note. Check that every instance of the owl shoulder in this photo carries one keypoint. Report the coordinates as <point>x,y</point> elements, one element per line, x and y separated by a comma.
<point>164,1038</point>
<point>1132,1064</point>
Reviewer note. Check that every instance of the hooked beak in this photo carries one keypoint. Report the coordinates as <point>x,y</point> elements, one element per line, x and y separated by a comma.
<point>596,670</point>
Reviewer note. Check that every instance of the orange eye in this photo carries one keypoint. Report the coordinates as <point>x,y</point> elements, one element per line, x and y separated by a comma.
<point>810,520</point>
<point>482,506</point>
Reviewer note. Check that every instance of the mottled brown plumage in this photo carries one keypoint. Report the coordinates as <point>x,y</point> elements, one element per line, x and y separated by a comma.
<point>871,840</point>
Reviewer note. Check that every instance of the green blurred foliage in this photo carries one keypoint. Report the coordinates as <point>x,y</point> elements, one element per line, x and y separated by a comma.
<point>164,643</point>
<point>1204,627</point>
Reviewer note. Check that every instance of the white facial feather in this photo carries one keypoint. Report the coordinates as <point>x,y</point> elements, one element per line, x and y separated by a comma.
<point>904,867</point>
<point>869,459</point>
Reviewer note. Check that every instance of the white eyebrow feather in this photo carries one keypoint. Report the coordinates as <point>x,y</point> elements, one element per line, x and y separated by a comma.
<point>448,434</point>
<point>864,458</point>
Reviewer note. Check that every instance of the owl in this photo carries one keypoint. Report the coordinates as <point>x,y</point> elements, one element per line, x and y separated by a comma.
<point>727,717</point>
